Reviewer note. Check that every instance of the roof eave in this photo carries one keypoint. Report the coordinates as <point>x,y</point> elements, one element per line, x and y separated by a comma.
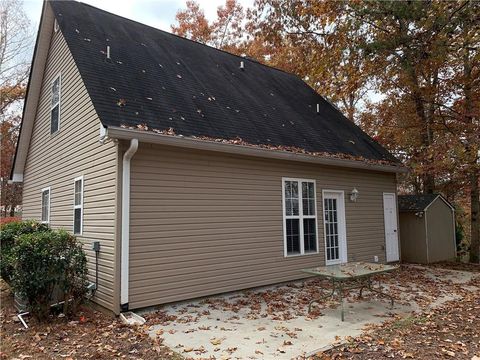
<point>154,138</point>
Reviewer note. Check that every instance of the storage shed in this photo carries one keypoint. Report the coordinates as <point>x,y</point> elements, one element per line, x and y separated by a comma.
<point>427,228</point>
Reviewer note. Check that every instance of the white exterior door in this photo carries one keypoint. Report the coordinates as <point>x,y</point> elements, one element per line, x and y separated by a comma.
<point>334,227</point>
<point>391,226</point>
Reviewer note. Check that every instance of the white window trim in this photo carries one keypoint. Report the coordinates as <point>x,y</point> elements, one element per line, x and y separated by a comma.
<point>59,77</point>
<point>342,228</point>
<point>300,217</point>
<point>78,207</point>
<point>49,202</point>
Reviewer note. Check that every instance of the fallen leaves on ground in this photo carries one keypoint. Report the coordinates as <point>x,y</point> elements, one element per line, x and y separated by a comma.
<point>451,331</point>
<point>92,335</point>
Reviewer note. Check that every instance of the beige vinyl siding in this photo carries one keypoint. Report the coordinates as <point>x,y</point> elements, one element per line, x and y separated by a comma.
<point>440,232</point>
<point>204,223</point>
<point>56,160</point>
<point>412,238</point>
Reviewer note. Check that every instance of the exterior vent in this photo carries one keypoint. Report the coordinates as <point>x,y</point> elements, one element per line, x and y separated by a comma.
<point>242,65</point>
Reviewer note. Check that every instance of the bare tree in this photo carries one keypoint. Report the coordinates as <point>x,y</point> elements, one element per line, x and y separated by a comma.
<point>16,42</point>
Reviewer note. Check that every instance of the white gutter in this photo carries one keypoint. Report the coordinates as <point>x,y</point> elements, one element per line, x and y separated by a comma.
<point>179,141</point>
<point>126,223</point>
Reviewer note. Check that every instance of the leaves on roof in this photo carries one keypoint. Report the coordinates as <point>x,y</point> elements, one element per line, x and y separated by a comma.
<point>239,141</point>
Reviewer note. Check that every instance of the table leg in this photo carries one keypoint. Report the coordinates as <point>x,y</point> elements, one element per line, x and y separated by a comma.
<point>369,284</point>
<point>340,295</point>
<point>322,297</point>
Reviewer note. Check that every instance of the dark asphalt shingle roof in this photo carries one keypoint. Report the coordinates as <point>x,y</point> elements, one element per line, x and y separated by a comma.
<point>171,82</point>
<point>415,202</point>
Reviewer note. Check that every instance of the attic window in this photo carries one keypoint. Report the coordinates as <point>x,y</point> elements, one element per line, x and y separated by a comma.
<point>55,25</point>
<point>78,206</point>
<point>55,106</point>
<point>45,217</point>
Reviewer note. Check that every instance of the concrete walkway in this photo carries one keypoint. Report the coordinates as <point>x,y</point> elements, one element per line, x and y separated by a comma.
<point>273,323</point>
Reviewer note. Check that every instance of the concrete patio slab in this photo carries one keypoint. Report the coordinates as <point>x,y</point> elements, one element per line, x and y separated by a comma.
<point>273,322</point>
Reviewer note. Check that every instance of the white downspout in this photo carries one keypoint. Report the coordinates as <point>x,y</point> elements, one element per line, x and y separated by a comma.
<point>126,223</point>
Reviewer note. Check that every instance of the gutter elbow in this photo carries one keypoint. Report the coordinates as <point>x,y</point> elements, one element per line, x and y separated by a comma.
<point>131,150</point>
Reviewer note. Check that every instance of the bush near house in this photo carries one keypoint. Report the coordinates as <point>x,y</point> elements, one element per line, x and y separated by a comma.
<point>9,231</point>
<point>40,263</point>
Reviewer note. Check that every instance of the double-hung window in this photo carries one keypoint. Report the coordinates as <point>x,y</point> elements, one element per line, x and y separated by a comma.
<point>78,206</point>
<point>45,216</point>
<point>55,106</point>
<point>299,216</point>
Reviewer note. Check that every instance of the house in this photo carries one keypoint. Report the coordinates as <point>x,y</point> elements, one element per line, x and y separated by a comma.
<point>427,228</point>
<point>197,171</point>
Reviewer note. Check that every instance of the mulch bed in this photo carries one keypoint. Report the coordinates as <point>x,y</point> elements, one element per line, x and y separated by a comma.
<point>91,335</point>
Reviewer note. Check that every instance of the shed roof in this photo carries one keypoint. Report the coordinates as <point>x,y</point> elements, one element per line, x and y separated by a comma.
<point>418,202</point>
<point>163,82</point>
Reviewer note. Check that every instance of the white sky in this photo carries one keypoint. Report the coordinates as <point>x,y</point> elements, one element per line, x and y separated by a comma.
<point>156,13</point>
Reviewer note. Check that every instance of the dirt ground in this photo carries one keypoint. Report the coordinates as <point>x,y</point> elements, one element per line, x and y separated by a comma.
<point>92,335</point>
<point>451,330</point>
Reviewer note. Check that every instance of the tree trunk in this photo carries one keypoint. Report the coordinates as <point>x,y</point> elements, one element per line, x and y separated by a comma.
<point>474,220</point>
<point>12,210</point>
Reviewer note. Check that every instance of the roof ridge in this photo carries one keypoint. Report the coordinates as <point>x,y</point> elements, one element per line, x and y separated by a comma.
<point>187,39</point>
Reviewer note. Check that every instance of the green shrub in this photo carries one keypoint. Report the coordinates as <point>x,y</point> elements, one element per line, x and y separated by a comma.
<point>46,263</point>
<point>8,233</point>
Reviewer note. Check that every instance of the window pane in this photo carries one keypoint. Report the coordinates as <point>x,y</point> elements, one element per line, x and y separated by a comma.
<point>309,235</point>
<point>311,206</point>
<point>288,189</point>
<point>305,190</point>
<point>291,198</point>
<point>56,91</point>
<point>45,205</point>
<point>295,207</point>
<point>294,189</point>
<point>78,192</point>
<point>54,119</point>
<point>293,236</point>
<point>308,198</point>
<point>77,220</point>
<point>288,206</point>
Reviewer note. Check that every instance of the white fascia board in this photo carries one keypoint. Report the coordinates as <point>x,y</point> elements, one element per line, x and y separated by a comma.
<point>154,138</point>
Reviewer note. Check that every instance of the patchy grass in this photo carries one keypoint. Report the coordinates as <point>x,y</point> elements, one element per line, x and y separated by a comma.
<point>92,335</point>
<point>408,321</point>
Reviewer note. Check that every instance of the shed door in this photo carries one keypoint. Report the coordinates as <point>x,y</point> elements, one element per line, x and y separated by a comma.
<point>391,232</point>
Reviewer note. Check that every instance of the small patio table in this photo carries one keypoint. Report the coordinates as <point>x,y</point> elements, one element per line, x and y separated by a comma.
<point>354,275</point>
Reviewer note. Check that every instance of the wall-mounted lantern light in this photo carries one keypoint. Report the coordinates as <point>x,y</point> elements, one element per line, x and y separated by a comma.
<point>354,195</point>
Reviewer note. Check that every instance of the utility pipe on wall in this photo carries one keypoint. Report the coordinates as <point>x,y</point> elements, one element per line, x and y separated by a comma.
<point>126,223</point>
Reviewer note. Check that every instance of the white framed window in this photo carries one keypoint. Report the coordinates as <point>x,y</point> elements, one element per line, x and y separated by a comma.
<point>299,216</point>
<point>78,205</point>
<point>55,105</point>
<point>45,215</point>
